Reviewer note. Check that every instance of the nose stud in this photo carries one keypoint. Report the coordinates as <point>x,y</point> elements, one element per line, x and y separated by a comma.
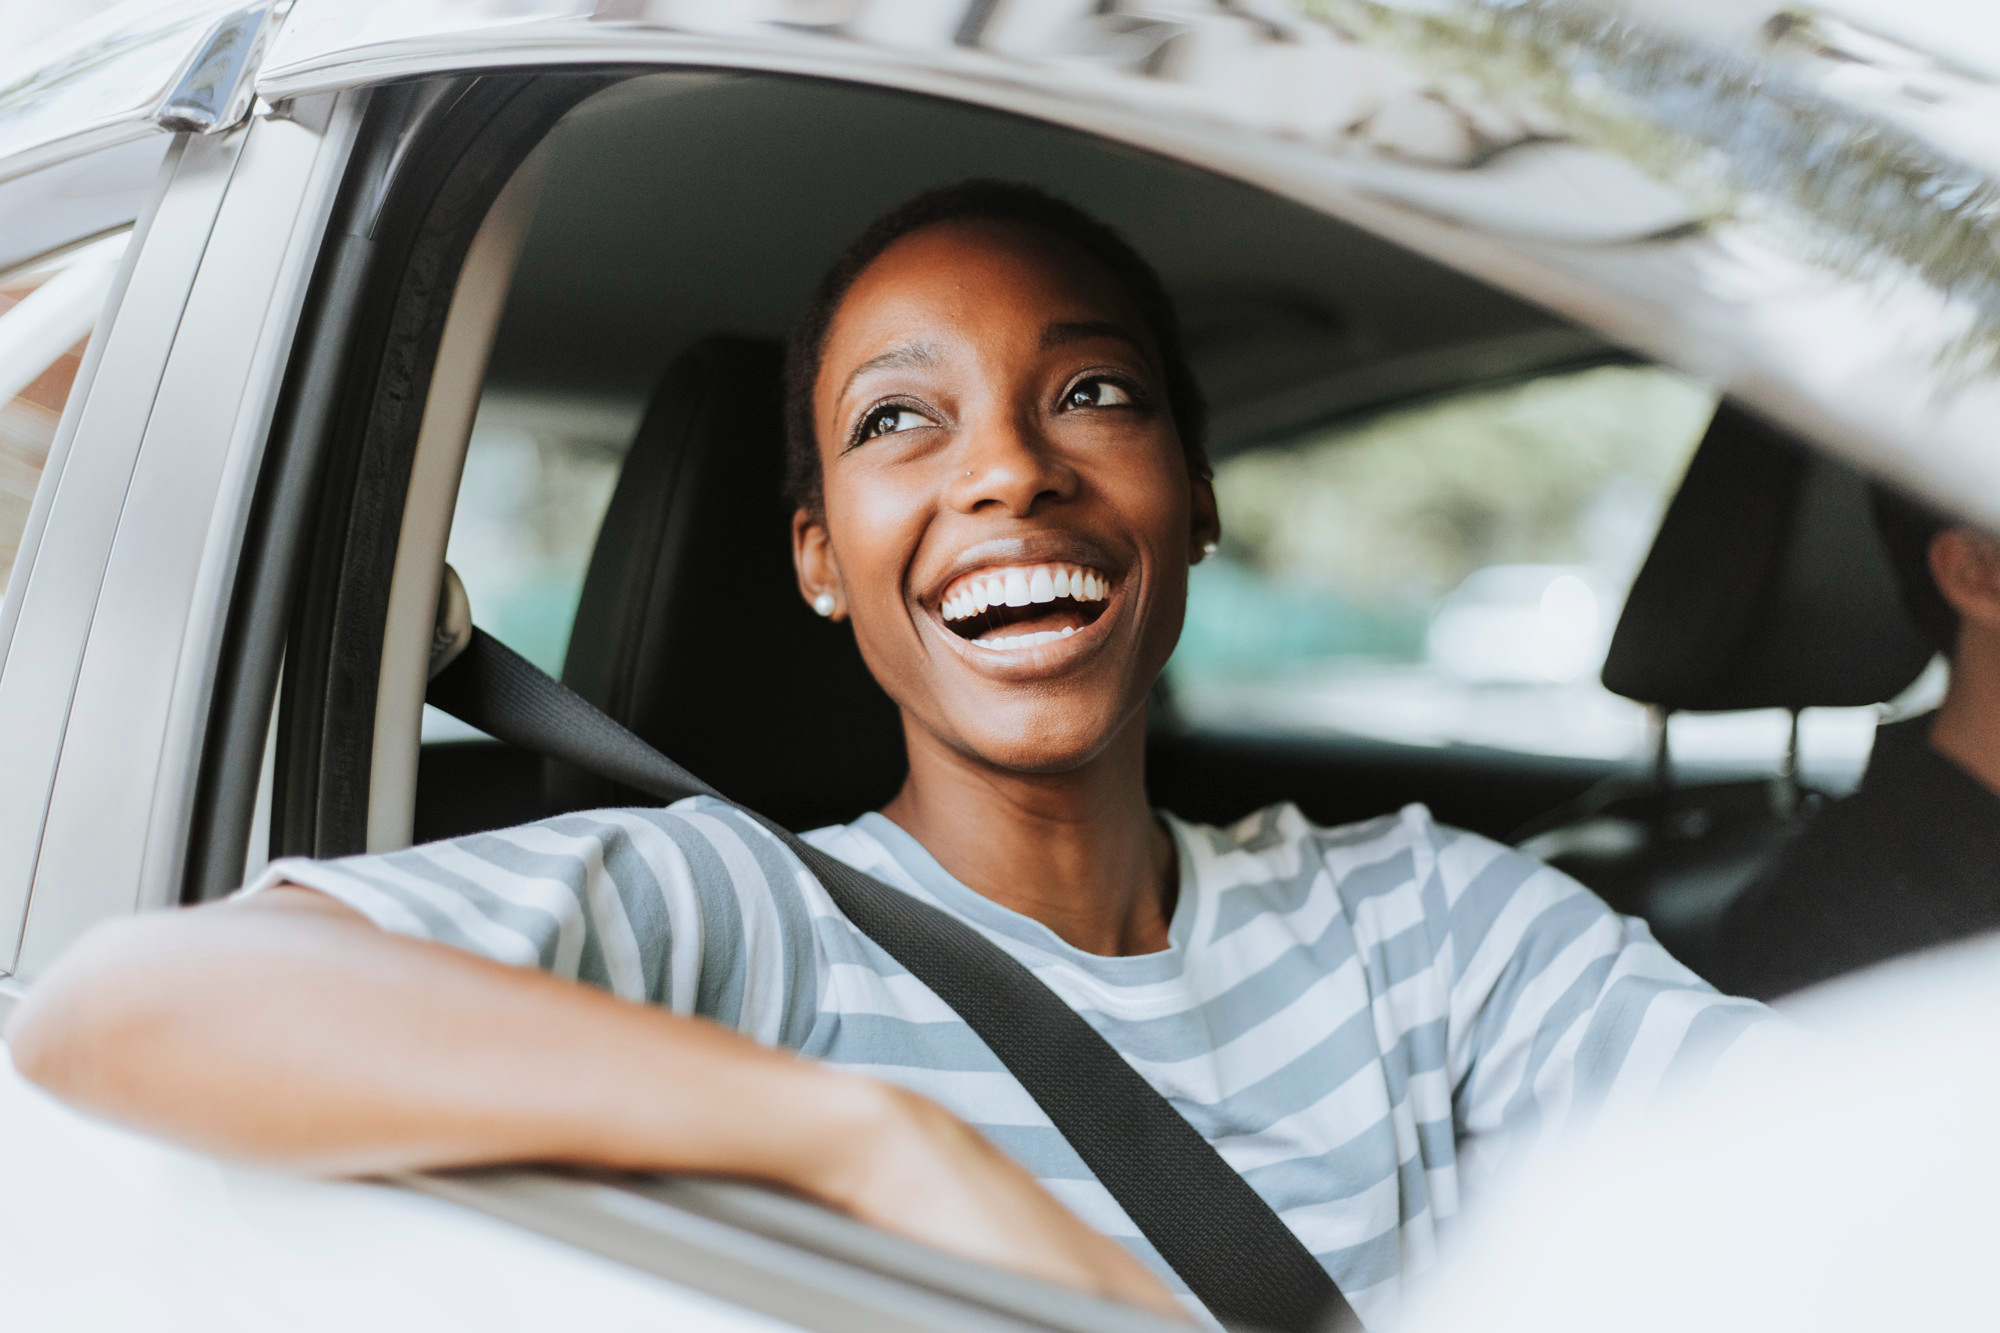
<point>823,603</point>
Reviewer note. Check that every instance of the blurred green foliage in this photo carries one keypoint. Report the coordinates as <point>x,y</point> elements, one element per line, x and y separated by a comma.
<point>1341,542</point>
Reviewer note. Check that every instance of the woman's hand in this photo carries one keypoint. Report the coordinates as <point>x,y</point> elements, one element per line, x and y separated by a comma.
<point>915,1169</point>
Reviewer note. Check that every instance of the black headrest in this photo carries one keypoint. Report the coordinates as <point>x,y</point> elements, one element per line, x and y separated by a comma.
<point>1767,586</point>
<point>690,629</point>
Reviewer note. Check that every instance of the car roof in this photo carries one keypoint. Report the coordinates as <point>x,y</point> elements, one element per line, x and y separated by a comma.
<point>1290,319</point>
<point>1800,205</point>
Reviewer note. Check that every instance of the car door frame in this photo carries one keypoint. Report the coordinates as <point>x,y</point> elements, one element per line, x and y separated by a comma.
<point>48,605</point>
<point>127,648</point>
<point>1860,355</point>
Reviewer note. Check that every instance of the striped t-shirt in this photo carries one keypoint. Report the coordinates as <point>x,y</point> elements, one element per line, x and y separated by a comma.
<point>1365,1021</point>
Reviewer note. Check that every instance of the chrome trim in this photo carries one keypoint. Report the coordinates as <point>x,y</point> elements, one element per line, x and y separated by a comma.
<point>780,1256</point>
<point>214,91</point>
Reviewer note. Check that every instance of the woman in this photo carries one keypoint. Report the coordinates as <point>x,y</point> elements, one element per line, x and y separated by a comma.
<point>997,460</point>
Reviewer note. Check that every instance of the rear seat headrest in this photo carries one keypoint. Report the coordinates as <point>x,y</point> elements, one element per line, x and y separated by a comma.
<point>690,629</point>
<point>1767,586</point>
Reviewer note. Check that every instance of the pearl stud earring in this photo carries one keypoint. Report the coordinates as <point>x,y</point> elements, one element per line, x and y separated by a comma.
<point>1208,549</point>
<point>823,603</point>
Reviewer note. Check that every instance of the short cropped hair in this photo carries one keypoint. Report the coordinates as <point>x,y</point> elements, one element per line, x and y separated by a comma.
<point>984,201</point>
<point>1908,529</point>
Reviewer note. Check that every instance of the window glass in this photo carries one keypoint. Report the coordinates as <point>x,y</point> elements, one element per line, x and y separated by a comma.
<point>47,309</point>
<point>1450,574</point>
<point>538,475</point>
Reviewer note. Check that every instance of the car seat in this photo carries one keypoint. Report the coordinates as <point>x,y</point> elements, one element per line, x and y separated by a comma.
<point>690,629</point>
<point>1766,587</point>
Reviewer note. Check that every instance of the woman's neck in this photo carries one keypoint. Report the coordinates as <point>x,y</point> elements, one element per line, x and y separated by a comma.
<point>1079,852</point>
<point>1967,729</point>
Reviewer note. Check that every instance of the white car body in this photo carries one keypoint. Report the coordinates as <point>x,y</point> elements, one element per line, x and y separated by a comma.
<point>107,1229</point>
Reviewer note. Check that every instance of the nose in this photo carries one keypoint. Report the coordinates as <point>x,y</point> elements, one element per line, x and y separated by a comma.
<point>1005,461</point>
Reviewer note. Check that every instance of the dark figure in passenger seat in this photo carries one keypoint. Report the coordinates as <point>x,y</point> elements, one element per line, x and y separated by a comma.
<point>1912,859</point>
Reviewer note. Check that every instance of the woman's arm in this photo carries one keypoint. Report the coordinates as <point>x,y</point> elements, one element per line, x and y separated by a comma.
<point>1562,1007</point>
<point>287,1029</point>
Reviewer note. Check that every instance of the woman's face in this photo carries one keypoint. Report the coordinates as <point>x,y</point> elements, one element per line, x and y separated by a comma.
<point>1008,514</point>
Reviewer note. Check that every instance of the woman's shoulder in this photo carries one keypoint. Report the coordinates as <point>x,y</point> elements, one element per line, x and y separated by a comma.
<point>1282,829</point>
<point>1406,847</point>
<point>700,836</point>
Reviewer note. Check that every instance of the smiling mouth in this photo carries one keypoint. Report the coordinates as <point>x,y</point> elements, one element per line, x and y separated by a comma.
<point>1007,607</point>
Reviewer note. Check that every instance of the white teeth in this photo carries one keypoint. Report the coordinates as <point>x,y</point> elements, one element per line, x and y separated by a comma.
<point>1024,587</point>
<point>1009,643</point>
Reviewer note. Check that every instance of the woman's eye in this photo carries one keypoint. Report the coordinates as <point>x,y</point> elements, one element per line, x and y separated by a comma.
<point>888,420</point>
<point>1098,393</point>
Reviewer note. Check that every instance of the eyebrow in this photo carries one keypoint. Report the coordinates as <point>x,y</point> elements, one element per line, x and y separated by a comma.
<point>910,354</point>
<point>1058,335</point>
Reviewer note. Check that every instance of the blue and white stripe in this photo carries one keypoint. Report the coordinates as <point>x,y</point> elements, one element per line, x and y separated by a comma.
<point>1365,1021</point>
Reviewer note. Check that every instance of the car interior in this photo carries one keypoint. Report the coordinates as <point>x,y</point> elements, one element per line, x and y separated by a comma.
<point>680,223</point>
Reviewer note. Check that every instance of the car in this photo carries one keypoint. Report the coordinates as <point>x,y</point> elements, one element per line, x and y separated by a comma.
<point>324,325</point>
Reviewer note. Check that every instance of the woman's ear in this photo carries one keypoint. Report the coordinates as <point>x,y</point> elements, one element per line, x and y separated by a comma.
<point>1966,566</point>
<point>818,570</point>
<point>1206,528</point>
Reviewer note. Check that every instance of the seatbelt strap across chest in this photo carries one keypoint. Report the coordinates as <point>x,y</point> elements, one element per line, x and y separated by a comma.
<point>1216,1232</point>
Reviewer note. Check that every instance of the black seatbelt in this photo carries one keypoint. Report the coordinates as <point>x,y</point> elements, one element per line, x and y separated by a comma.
<point>1217,1233</point>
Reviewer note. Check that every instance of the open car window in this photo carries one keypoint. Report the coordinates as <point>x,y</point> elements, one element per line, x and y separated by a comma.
<point>1450,574</point>
<point>539,469</point>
